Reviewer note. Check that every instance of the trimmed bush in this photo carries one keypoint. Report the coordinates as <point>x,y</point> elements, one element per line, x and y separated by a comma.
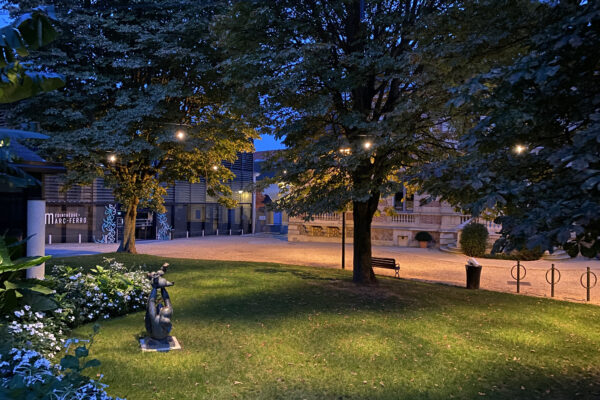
<point>572,249</point>
<point>423,237</point>
<point>474,239</point>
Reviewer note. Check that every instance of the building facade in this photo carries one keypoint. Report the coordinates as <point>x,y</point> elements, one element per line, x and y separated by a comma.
<point>90,213</point>
<point>408,217</point>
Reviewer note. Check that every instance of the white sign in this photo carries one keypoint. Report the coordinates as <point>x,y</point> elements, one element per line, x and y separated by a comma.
<point>64,218</point>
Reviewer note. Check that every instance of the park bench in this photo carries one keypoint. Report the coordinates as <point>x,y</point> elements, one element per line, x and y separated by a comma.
<point>389,263</point>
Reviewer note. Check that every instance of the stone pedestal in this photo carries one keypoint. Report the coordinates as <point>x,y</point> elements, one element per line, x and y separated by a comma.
<point>167,344</point>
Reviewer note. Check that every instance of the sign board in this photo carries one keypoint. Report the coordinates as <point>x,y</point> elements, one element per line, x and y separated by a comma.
<point>64,218</point>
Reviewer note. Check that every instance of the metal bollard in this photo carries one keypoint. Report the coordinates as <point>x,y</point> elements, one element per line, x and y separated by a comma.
<point>202,232</point>
<point>230,232</point>
<point>588,286</point>
<point>80,238</point>
<point>187,234</point>
<point>518,276</point>
<point>552,281</point>
<point>217,231</point>
<point>49,239</point>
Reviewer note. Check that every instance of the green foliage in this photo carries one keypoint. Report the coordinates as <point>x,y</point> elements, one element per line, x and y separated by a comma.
<point>423,237</point>
<point>26,374</point>
<point>101,293</point>
<point>572,249</point>
<point>29,33</point>
<point>545,101</point>
<point>16,292</point>
<point>358,94</point>
<point>136,75</point>
<point>473,239</point>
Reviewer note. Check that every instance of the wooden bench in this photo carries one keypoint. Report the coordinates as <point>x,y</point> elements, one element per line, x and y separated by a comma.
<point>388,263</point>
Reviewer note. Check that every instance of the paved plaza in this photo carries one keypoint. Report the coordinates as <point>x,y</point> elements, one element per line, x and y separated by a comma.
<point>429,265</point>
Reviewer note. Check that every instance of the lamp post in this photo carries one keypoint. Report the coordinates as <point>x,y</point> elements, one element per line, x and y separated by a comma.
<point>344,239</point>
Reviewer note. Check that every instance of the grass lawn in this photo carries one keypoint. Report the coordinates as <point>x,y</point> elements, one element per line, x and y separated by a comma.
<point>267,331</point>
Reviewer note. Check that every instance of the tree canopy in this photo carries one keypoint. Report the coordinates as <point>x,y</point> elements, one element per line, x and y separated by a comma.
<point>17,82</point>
<point>143,105</point>
<point>357,90</point>
<point>532,157</point>
<point>30,32</point>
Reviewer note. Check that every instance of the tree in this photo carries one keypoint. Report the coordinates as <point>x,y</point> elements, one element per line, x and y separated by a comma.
<point>143,105</point>
<point>533,154</point>
<point>30,32</point>
<point>356,94</point>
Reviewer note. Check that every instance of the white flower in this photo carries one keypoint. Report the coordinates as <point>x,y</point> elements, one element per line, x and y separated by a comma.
<point>27,308</point>
<point>19,314</point>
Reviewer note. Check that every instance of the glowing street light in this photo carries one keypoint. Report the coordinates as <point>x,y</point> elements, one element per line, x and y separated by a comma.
<point>240,191</point>
<point>214,167</point>
<point>180,135</point>
<point>520,149</point>
<point>345,150</point>
<point>112,159</point>
<point>367,145</point>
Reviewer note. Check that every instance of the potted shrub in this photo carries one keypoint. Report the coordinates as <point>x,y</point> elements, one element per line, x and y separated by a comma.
<point>423,238</point>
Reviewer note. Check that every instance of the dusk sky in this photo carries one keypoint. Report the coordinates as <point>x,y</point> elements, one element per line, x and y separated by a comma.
<point>268,142</point>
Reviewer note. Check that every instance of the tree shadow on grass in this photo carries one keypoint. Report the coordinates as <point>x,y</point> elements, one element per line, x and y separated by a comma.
<point>297,273</point>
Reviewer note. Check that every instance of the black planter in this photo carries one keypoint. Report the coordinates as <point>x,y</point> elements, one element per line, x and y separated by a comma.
<point>473,276</point>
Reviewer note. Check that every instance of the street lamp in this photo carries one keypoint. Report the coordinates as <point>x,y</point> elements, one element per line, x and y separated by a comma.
<point>180,135</point>
<point>214,167</point>
<point>112,159</point>
<point>367,145</point>
<point>520,149</point>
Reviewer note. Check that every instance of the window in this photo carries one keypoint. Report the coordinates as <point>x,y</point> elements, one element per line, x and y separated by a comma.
<point>404,202</point>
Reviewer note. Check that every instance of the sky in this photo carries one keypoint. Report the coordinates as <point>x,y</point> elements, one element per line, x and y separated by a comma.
<point>268,142</point>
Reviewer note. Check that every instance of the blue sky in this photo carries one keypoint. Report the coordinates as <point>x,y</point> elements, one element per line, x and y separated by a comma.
<point>268,142</point>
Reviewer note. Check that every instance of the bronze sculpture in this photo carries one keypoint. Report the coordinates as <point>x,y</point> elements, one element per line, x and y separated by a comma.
<point>158,315</point>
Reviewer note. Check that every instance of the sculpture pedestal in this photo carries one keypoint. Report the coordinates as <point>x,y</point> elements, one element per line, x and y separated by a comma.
<point>167,344</point>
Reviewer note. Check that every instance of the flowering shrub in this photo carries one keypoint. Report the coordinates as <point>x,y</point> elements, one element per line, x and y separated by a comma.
<point>102,293</point>
<point>27,374</point>
<point>43,331</point>
<point>83,297</point>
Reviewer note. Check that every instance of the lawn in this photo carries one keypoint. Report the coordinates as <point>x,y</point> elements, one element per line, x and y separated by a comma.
<point>268,331</point>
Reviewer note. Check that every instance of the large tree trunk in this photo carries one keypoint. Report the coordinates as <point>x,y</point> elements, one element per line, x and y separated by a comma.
<point>128,239</point>
<point>363,216</point>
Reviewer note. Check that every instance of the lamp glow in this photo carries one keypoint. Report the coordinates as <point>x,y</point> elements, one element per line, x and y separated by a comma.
<point>215,168</point>
<point>180,135</point>
<point>112,158</point>
<point>345,150</point>
<point>520,149</point>
<point>367,145</point>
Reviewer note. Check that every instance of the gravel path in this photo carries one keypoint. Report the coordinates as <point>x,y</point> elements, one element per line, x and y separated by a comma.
<point>422,264</point>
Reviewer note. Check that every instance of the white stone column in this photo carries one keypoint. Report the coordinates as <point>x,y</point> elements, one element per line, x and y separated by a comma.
<point>36,228</point>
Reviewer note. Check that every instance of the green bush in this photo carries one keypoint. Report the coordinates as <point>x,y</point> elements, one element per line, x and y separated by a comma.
<point>522,255</point>
<point>474,239</point>
<point>572,249</point>
<point>423,237</point>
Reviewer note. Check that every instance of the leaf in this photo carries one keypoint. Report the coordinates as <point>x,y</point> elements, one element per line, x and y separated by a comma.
<point>81,351</point>
<point>70,362</point>
<point>34,287</point>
